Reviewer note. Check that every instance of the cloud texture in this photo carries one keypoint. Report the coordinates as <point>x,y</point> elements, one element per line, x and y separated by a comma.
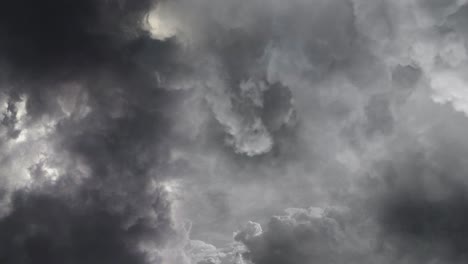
<point>177,131</point>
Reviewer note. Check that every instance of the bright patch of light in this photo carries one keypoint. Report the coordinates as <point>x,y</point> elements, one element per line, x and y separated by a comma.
<point>172,188</point>
<point>161,27</point>
<point>51,173</point>
<point>451,88</point>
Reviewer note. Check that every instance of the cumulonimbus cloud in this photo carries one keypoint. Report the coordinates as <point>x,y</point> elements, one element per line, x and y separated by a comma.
<point>148,131</point>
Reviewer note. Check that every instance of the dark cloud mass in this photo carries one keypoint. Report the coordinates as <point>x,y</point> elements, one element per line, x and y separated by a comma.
<point>44,229</point>
<point>301,236</point>
<point>195,131</point>
<point>93,121</point>
<point>53,33</point>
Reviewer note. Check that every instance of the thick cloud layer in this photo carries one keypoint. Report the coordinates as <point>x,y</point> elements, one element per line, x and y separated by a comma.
<point>38,35</point>
<point>83,135</point>
<point>302,236</point>
<point>150,131</point>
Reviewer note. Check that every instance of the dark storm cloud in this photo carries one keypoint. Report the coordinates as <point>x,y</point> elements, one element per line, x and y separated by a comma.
<point>80,86</point>
<point>305,236</point>
<point>37,35</point>
<point>421,203</point>
<point>43,228</point>
<point>432,229</point>
<point>108,144</point>
<point>110,109</point>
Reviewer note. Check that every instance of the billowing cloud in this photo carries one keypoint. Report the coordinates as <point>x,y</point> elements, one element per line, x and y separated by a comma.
<point>306,236</point>
<point>149,131</point>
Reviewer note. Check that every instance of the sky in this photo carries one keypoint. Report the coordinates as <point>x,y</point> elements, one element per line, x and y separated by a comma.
<point>233,132</point>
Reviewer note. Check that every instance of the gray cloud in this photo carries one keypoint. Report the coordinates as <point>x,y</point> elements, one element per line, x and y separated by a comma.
<point>135,118</point>
<point>83,128</point>
<point>313,235</point>
<point>354,103</point>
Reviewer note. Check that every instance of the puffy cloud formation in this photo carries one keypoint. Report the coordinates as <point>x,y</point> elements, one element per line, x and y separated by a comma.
<point>306,236</point>
<point>82,155</point>
<point>300,236</point>
<point>148,131</point>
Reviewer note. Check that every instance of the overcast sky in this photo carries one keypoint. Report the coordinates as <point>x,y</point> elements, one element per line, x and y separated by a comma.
<point>233,132</point>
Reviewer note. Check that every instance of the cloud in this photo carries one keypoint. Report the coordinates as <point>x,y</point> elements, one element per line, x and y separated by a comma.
<point>359,84</point>
<point>47,229</point>
<point>419,201</point>
<point>303,236</point>
<point>134,118</point>
<point>82,135</point>
<point>37,36</point>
